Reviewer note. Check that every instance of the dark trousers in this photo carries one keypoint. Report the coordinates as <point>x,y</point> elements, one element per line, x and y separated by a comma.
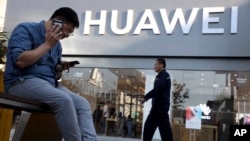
<point>103,124</point>
<point>158,117</point>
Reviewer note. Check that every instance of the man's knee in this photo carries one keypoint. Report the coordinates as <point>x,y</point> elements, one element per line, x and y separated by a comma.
<point>61,100</point>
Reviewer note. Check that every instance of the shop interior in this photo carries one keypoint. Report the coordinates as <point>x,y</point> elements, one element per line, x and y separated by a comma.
<point>224,94</point>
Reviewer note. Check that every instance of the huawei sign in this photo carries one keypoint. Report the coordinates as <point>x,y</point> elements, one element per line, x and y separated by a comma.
<point>152,20</point>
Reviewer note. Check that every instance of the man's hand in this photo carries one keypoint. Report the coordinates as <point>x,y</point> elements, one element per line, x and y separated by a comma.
<point>58,75</point>
<point>142,100</point>
<point>64,65</point>
<point>53,35</point>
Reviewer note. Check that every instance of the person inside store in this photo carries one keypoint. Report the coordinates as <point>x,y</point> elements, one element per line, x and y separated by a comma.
<point>121,120</point>
<point>130,126</point>
<point>105,115</point>
<point>160,95</point>
<point>97,117</point>
<point>34,65</point>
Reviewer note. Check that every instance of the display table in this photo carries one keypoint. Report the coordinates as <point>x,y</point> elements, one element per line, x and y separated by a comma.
<point>111,127</point>
<point>207,133</point>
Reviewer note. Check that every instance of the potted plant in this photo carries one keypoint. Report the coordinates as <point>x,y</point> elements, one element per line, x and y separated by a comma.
<point>180,93</point>
<point>3,46</point>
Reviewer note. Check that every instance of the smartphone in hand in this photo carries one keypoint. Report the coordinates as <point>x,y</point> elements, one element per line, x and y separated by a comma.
<point>57,22</point>
<point>72,63</point>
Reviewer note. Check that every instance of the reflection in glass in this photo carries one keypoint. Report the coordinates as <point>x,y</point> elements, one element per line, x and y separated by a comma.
<point>223,97</point>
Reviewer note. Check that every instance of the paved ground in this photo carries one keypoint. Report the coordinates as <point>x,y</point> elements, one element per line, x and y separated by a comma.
<point>105,138</point>
<point>100,138</point>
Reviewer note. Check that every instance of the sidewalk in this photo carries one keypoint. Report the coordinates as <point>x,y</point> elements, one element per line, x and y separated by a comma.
<point>104,138</point>
<point>109,138</point>
<point>99,137</point>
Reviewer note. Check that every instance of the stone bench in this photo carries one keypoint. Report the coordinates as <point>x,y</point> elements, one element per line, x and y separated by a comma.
<point>36,122</point>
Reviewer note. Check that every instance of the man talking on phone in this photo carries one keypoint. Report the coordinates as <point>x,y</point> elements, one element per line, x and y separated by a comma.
<point>34,65</point>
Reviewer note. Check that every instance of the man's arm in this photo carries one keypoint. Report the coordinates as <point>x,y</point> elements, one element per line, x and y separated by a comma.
<point>29,57</point>
<point>160,86</point>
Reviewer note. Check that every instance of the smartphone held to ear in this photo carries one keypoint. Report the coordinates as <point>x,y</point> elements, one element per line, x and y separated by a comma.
<point>57,22</point>
<point>73,63</point>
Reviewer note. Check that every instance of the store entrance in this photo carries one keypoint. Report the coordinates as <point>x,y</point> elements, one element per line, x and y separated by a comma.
<point>222,96</point>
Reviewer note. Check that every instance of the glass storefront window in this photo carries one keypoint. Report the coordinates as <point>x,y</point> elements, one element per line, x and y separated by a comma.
<point>222,96</point>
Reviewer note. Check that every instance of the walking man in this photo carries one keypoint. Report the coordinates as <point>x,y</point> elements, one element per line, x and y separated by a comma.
<point>160,94</point>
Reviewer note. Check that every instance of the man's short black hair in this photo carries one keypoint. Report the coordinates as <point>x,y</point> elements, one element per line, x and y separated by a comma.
<point>66,14</point>
<point>161,61</point>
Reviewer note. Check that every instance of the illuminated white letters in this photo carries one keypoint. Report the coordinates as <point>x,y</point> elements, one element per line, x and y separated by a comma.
<point>148,21</point>
<point>169,27</point>
<point>128,25</point>
<point>207,19</point>
<point>101,23</point>
<point>148,14</point>
<point>234,19</point>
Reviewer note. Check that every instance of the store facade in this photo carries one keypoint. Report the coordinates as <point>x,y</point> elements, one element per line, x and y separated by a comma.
<point>205,44</point>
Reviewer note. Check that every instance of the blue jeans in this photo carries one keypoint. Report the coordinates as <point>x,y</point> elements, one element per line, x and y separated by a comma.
<point>72,112</point>
<point>129,128</point>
